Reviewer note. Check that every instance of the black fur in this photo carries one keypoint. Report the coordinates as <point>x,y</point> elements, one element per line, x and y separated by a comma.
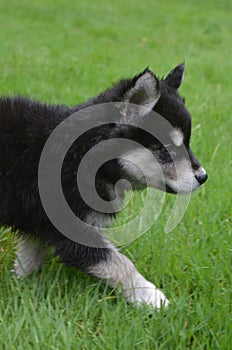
<point>25,126</point>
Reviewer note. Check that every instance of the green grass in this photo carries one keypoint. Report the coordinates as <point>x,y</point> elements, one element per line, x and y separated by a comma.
<point>66,51</point>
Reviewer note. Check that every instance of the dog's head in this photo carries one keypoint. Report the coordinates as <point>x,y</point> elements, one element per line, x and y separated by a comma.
<point>167,160</point>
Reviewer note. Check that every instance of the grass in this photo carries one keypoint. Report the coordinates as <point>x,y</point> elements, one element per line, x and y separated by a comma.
<point>65,52</point>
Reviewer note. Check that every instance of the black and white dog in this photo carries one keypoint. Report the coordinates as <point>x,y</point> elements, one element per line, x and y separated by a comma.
<point>25,126</point>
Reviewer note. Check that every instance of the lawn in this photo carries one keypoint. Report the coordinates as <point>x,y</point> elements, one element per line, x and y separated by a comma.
<point>66,51</point>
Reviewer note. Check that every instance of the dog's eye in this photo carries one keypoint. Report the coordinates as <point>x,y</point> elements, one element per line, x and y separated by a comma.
<point>169,149</point>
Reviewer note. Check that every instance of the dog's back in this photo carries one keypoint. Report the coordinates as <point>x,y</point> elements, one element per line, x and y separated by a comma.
<point>24,128</point>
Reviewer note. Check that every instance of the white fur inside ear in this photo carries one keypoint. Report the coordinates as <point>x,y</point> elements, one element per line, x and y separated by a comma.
<point>145,92</point>
<point>177,137</point>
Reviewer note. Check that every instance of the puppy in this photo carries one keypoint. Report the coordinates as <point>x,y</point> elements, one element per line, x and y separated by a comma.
<point>25,127</point>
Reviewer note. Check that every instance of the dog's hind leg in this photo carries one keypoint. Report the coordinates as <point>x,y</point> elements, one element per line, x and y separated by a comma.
<point>30,255</point>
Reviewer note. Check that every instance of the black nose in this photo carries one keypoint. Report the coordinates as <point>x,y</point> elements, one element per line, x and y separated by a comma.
<point>201,178</point>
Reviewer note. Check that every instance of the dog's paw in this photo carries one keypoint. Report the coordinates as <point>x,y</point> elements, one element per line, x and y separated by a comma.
<point>144,292</point>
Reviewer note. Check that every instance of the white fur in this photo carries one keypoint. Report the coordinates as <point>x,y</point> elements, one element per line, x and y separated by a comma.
<point>179,176</point>
<point>119,271</point>
<point>177,137</point>
<point>185,180</point>
<point>143,159</point>
<point>30,255</point>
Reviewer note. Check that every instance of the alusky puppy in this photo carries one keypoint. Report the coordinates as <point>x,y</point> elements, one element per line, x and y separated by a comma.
<point>25,125</point>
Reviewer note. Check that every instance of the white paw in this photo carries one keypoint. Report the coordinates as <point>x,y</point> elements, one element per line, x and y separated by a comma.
<point>144,292</point>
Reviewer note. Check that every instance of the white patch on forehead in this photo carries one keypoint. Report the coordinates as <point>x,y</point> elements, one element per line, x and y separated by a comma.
<point>177,137</point>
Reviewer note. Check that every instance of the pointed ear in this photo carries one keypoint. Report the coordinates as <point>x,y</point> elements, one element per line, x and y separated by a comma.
<point>176,76</point>
<point>145,92</point>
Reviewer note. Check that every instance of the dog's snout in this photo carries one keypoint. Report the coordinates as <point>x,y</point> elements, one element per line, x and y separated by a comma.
<point>201,178</point>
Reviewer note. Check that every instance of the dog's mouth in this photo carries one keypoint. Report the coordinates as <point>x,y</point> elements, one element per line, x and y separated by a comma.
<point>182,191</point>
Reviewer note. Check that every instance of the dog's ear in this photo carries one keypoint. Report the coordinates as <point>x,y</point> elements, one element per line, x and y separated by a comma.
<point>144,92</point>
<point>176,76</point>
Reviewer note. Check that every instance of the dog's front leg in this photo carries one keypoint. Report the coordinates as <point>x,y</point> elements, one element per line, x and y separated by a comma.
<point>119,270</point>
<point>108,264</point>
